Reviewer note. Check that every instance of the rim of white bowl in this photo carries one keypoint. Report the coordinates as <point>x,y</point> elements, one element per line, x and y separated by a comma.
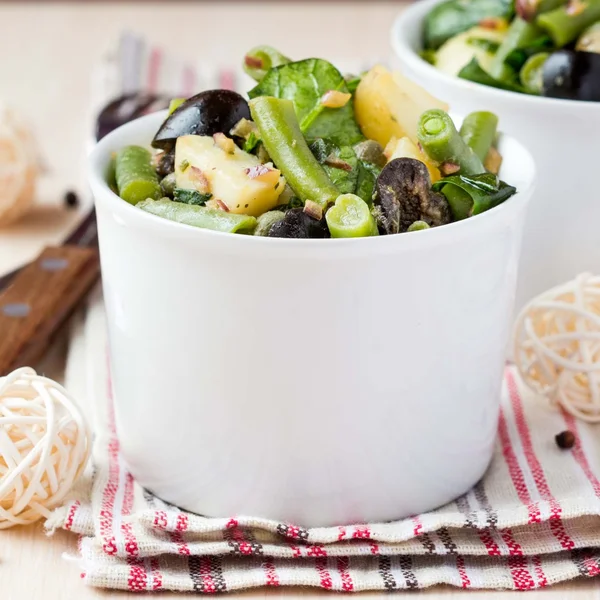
<point>411,18</point>
<point>99,159</point>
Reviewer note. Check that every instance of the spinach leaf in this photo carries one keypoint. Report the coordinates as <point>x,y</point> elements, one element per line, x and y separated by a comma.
<point>365,184</point>
<point>304,82</point>
<point>471,195</point>
<point>449,18</point>
<point>474,72</point>
<point>190,197</point>
<point>516,58</point>
<point>351,175</point>
<point>352,82</point>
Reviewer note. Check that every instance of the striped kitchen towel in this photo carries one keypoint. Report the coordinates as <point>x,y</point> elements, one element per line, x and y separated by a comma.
<point>532,521</point>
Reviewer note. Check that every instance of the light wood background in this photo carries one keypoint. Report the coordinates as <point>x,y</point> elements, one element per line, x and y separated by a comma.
<point>47,51</point>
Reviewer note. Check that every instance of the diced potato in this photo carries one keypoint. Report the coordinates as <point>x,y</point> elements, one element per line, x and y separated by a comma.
<point>389,105</point>
<point>238,179</point>
<point>405,148</point>
<point>459,50</point>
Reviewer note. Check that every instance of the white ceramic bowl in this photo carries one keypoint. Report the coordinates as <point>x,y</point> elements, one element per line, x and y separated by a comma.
<point>317,382</point>
<point>561,234</point>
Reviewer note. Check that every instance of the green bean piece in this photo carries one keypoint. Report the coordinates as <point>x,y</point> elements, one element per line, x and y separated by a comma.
<point>168,184</point>
<point>267,220</point>
<point>136,178</point>
<point>262,58</point>
<point>199,216</point>
<point>350,217</point>
<point>111,176</point>
<point>519,34</point>
<point>175,104</point>
<point>280,133</point>
<point>418,226</point>
<point>564,25</point>
<point>479,132</point>
<point>532,73</point>
<point>440,140</point>
<point>530,9</point>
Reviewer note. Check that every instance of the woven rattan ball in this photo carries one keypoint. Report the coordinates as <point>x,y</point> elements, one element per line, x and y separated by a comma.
<point>18,167</point>
<point>557,346</point>
<point>44,446</point>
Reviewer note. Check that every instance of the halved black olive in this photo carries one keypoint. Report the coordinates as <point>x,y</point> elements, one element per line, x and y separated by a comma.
<point>297,224</point>
<point>403,195</point>
<point>206,113</point>
<point>572,75</point>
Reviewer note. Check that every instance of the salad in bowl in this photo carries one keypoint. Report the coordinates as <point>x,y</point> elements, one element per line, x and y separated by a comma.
<point>314,154</point>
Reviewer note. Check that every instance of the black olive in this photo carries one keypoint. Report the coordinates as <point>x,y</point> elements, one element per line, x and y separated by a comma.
<point>206,113</point>
<point>297,224</point>
<point>403,195</point>
<point>166,164</point>
<point>572,75</point>
<point>125,109</point>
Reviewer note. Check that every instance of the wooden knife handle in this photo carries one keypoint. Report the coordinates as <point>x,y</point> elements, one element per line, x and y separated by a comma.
<point>40,299</point>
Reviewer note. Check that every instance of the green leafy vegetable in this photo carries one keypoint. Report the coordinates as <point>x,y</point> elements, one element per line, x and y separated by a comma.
<point>471,195</point>
<point>452,17</point>
<point>365,184</point>
<point>487,45</point>
<point>351,175</point>
<point>352,82</point>
<point>304,83</point>
<point>518,57</point>
<point>474,72</point>
<point>251,142</point>
<point>190,197</point>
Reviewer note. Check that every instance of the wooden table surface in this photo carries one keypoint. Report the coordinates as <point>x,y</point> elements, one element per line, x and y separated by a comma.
<point>48,52</point>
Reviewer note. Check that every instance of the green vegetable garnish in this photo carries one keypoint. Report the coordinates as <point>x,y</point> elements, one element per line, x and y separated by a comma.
<point>136,178</point>
<point>259,60</point>
<point>478,130</point>
<point>199,216</point>
<point>471,195</point>
<point>304,83</point>
<point>190,197</point>
<point>350,217</point>
<point>418,226</point>
<point>440,140</point>
<point>280,133</point>
<point>487,45</point>
<point>532,73</point>
<point>449,18</point>
<point>565,24</point>
<point>473,72</point>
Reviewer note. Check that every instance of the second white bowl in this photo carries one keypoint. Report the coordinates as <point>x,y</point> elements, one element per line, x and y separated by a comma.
<point>561,234</point>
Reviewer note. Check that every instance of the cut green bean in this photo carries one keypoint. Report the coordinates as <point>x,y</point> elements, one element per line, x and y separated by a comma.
<point>111,176</point>
<point>520,34</point>
<point>532,73</point>
<point>418,226</point>
<point>565,24</point>
<point>199,216</point>
<point>267,220</point>
<point>479,132</point>
<point>262,58</point>
<point>440,140</point>
<point>350,217</point>
<point>280,133</point>
<point>175,104</point>
<point>135,176</point>
<point>530,9</point>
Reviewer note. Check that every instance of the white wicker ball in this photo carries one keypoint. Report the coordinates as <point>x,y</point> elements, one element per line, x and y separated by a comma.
<point>18,167</point>
<point>44,446</point>
<point>557,346</point>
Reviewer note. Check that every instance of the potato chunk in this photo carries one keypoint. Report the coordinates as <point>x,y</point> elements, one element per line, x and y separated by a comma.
<point>389,105</point>
<point>236,178</point>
